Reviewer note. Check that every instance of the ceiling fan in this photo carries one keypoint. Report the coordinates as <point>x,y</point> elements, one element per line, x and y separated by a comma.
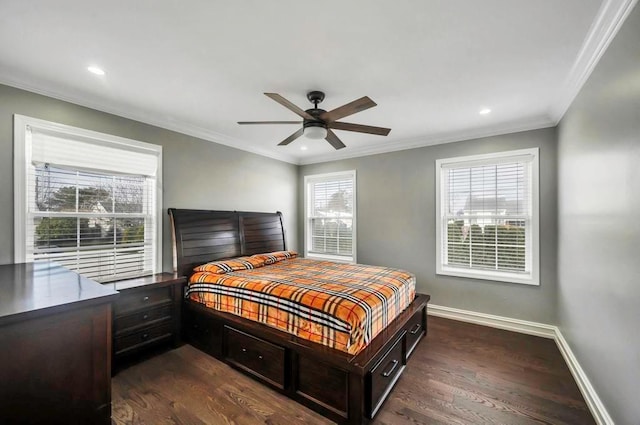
<point>318,123</point>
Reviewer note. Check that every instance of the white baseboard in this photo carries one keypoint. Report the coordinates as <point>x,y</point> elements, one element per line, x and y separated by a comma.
<point>594,403</point>
<point>500,322</point>
<point>598,410</point>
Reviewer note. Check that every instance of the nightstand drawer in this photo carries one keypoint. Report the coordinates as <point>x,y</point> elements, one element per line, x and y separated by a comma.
<point>143,337</point>
<point>138,300</point>
<point>142,318</point>
<point>145,316</point>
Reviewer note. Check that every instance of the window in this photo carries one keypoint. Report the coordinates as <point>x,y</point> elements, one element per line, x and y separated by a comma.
<point>330,216</point>
<point>86,200</point>
<point>487,216</point>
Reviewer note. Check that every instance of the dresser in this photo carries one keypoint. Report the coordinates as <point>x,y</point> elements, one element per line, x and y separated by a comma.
<point>55,346</point>
<point>146,315</point>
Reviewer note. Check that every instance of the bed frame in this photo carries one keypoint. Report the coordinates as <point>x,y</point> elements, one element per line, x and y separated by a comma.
<point>345,388</point>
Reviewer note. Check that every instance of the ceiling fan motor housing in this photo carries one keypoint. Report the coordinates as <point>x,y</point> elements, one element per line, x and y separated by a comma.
<point>317,121</point>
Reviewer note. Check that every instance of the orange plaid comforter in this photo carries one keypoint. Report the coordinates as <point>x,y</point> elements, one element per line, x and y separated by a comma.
<point>343,306</point>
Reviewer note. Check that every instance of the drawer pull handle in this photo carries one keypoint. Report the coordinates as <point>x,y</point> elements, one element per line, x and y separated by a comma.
<point>260,357</point>
<point>244,350</point>
<point>145,298</point>
<point>415,329</point>
<point>394,365</point>
<point>145,336</point>
<point>145,317</point>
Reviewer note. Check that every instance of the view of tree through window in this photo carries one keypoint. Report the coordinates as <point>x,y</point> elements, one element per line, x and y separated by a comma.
<point>103,215</point>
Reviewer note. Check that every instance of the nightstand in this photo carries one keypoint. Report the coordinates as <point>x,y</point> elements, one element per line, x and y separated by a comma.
<point>146,315</point>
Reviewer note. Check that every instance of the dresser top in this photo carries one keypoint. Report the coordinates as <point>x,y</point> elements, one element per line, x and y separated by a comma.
<point>31,289</point>
<point>158,279</point>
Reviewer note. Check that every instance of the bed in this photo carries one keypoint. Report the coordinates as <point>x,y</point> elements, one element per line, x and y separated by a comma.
<point>346,378</point>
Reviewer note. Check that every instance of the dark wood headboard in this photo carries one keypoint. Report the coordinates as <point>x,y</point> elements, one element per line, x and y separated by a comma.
<point>200,236</point>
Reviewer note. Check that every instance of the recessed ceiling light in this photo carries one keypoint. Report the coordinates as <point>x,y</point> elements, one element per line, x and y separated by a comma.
<point>485,111</point>
<point>303,148</point>
<point>95,70</point>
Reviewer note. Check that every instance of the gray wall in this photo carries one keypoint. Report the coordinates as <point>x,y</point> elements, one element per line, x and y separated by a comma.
<point>196,173</point>
<point>599,226</point>
<point>396,223</point>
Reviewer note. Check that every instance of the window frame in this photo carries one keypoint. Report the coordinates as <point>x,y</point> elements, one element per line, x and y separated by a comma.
<point>22,154</point>
<point>316,178</point>
<point>531,278</point>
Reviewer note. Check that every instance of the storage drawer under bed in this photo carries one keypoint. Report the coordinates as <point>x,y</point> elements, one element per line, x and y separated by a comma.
<point>385,373</point>
<point>415,328</point>
<point>256,356</point>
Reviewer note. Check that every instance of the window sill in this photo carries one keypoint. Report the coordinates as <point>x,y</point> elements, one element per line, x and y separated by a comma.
<point>329,257</point>
<point>487,275</point>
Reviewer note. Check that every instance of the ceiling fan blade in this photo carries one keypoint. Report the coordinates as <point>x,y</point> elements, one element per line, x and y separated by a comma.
<point>334,140</point>
<point>269,122</point>
<point>348,109</point>
<point>291,138</point>
<point>290,106</point>
<point>380,131</point>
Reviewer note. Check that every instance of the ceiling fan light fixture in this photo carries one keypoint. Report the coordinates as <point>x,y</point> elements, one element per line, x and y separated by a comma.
<point>315,132</point>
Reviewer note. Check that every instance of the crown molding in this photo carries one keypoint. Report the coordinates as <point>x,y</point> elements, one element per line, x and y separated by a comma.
<point>604,28</point>
<point>419,142</point>
<point>147,118</point>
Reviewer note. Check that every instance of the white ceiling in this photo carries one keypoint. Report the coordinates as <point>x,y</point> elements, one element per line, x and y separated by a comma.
<point>200,66</point>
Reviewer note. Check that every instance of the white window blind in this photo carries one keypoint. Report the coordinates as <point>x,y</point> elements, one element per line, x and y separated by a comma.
<point>90,154</point>
<point>330,201</point>
<point>487,225</point>
<point>90,201</point>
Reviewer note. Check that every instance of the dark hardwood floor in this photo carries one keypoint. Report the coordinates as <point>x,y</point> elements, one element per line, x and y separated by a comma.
<point>461,374</point>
